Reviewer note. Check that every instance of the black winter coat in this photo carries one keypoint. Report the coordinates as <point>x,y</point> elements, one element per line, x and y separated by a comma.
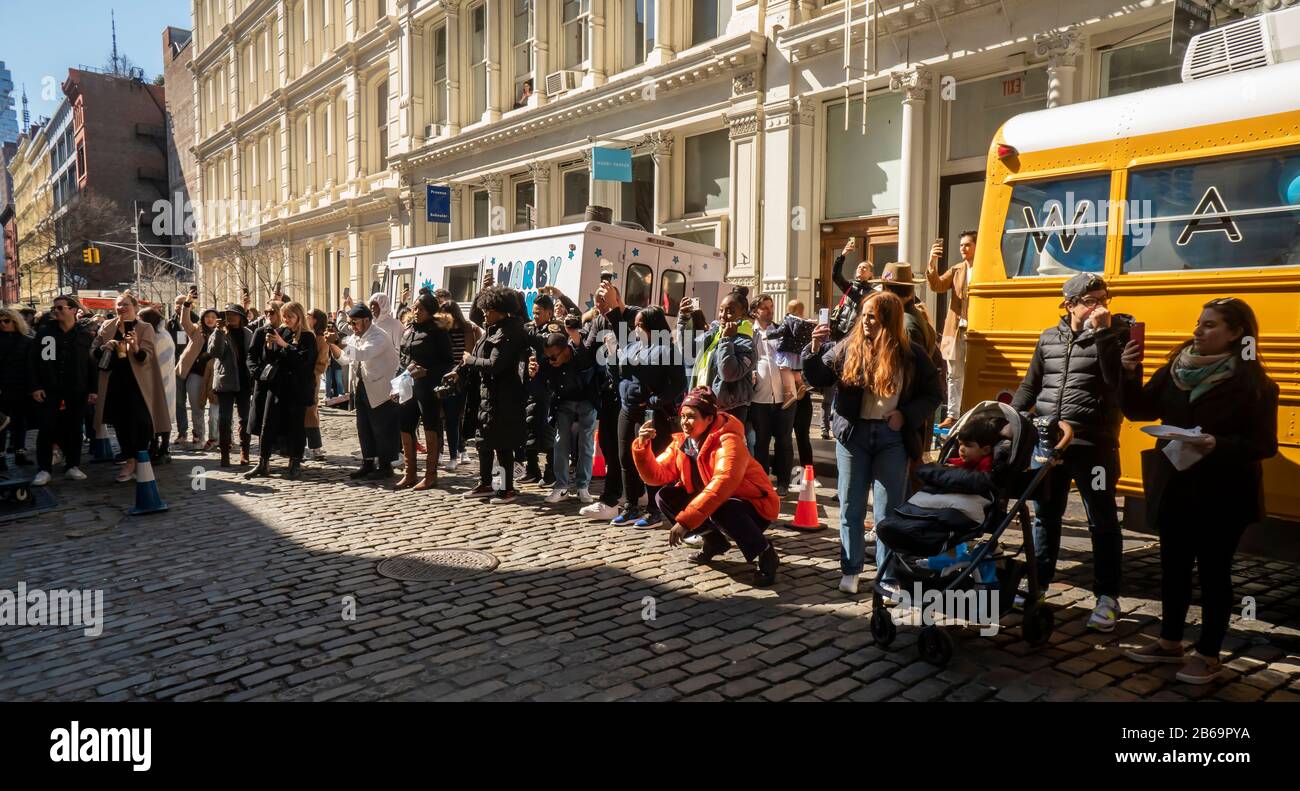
<point>14,373</point>
<point>854,292</point>
<point>71,369</point>
<point>295,374</point>
<point>1226,487</point>
<point>502,394</point>
<point>1076,378</point>
<point>793,333</point>
<point>918,401</point>
<point>576,380</point>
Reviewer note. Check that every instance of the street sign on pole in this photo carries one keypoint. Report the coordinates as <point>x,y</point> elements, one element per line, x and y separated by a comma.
<point>1190,18</point>
<point>611,164</point>
<point>438,203</point>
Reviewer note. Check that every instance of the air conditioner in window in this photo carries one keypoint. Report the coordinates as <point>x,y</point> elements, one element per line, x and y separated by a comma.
<point>560,81</point>
<point>430,131</point>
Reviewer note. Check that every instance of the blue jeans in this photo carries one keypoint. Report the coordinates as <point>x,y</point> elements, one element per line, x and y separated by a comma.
<point>334,381</point>
<point>874,456</point>
<point>567,414</point>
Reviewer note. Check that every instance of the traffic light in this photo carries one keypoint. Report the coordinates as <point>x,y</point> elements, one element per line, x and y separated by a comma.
<point>90,255</point>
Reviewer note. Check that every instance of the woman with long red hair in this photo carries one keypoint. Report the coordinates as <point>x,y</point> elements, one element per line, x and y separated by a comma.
<point>885,389</point>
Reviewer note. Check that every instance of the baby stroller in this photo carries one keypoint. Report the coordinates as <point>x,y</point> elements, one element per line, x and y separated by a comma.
<point>1017,468</point>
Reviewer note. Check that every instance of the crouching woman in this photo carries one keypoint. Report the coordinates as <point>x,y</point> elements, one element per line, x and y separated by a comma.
<point>711,484</point>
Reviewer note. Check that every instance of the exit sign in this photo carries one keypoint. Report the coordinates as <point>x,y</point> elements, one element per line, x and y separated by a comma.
<point>1013,86</point>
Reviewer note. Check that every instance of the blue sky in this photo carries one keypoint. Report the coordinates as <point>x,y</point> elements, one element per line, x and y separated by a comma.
<point>44,38</point>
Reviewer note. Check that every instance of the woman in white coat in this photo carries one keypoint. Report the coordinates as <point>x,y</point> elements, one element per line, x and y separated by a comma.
<point>165,349</point>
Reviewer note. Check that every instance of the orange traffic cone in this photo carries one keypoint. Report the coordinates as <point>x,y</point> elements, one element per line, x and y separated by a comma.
<point>805,513</point>
<point>598,463</point>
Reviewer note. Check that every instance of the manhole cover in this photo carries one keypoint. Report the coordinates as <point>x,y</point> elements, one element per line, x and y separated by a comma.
<point>438,564</point>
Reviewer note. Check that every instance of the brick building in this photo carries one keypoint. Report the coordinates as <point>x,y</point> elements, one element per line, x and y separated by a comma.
<point>8,228</point>
<point>120,150</point>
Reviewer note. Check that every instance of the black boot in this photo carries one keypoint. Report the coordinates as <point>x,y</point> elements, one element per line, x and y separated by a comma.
<point>295,471</point>
<point>367,467</point>
<point>262,469</point>
<point>765,571</point>
<point>383,472</point>
<point>714,544</point>
<point>224,445</point>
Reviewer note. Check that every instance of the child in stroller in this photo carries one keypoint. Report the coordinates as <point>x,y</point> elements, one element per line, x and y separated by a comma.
<point>951,505</point>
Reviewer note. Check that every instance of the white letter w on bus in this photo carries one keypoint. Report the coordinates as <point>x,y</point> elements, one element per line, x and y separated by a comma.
<point>1041,234</point>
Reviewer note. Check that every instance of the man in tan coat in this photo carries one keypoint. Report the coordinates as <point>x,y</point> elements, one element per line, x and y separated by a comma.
<point>953,344</point>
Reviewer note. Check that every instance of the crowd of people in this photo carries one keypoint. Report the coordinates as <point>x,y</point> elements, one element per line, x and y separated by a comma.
<point>698,424</point>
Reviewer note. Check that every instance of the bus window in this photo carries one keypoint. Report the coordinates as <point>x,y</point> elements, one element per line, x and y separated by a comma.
<point>640,285</point>
<point>1214,215</point>
<point>672,289</point>
<point>1056,227</point>
<point>462,282</point>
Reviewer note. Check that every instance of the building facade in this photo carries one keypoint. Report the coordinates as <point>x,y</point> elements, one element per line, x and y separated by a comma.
<point>182,175</point>
<point>324,119</point>
<point>8,227</point>
<point>30,171</point>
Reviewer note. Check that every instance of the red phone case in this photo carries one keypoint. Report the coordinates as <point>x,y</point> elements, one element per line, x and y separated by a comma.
<point>1138,334</point>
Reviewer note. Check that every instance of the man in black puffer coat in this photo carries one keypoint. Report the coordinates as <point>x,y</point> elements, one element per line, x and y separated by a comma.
<point>1076,376</point>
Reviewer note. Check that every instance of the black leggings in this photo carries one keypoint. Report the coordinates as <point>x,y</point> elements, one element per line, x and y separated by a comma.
<point>505,456</point>
<point>771,424</point>
<point>607,427</point>
<point>227,404</point>
<point>1209,546</point>
<point>803,410</point>
<point>736,519</point>
<point>629,423</point>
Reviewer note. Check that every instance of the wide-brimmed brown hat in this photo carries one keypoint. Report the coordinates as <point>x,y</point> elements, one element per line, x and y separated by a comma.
<point>898,273</point>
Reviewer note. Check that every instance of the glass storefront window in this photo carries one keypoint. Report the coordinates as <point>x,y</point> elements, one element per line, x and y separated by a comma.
<point>708,172</point>
<point>981,107</point>
<point>1138,67</point>
<point>1236,212</point>
<point>577,193</point>
<point>863,171</point>
<point>637,197</point>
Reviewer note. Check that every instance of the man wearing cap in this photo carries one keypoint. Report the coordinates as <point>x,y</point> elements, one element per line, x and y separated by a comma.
<point>374,362</point>
<point>1075,376</point>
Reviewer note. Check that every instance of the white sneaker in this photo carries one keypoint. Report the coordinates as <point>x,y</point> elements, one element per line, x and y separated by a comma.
<point>1105,615</point>
<point>557,495</point>
<point>585,496</point>
<point>694,539</point>
<point>41,478</point>
<point>74,474</point>
<point>520,470</point>
<point>601,511</point>
<point>796,480</point>
<point>449,465</point>
<point>464,457</point>
<point>849,583</point>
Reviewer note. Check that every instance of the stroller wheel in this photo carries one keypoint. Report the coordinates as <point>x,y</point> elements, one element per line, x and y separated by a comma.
<point>1039,625</point>
<point>883,628</point>
<point>936,645</point>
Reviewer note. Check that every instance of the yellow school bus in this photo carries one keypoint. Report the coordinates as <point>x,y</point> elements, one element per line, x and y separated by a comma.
<point>1176,195</point>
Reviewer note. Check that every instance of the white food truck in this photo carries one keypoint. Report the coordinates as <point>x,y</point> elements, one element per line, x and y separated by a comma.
<point>648,269</point>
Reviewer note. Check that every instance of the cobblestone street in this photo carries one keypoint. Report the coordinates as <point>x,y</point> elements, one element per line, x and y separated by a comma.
<point>237,593</point>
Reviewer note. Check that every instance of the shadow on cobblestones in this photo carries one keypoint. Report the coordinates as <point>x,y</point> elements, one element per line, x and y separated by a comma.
<point>238,592</point>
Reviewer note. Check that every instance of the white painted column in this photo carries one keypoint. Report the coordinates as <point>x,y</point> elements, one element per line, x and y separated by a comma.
<point>454,48</point>
<point>541,173</point>
<point>746,155</point>
<point>1061,48</point>
<point>498,222</point>
<point>494,34</point>
<point>331,141</point>
<point>352,93</point>
<point>596,35</point>
<point>661,151</point>
<point>913,84</point>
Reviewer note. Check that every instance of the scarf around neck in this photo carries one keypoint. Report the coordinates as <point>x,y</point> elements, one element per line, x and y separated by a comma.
<point>1200,373</point>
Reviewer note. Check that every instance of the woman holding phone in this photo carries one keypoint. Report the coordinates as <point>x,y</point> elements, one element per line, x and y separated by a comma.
<point>885,388</point>
<point>131,397</point>
<point>1201,506</point>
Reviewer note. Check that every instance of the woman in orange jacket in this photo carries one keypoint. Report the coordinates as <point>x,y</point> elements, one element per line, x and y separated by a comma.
<point>711,484</point>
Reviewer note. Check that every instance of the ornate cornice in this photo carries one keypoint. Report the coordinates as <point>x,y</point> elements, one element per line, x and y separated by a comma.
<point>1060,47</point>
<point>744,124</point>
<point>912,83</point>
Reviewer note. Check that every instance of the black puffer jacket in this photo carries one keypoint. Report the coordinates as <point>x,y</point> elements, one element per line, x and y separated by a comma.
<point>502,395</point>
<point>295,380</point>
<point>1076,377</point>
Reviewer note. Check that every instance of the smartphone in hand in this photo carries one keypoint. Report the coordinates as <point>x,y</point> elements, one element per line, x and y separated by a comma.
<point>824,316</point>
<point>1138,334</point>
